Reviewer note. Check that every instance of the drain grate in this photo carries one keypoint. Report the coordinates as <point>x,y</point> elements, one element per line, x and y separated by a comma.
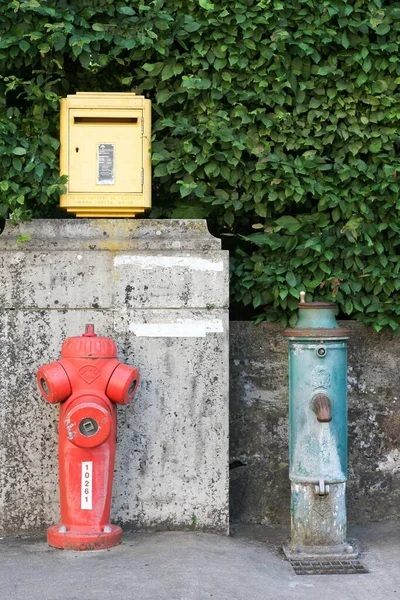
<point>325,567</point>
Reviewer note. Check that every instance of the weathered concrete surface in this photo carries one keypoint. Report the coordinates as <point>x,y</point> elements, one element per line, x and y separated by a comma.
<point>168,316</point>
<point>193,566</point>
<point>259,453</point>
<point>260,488</point>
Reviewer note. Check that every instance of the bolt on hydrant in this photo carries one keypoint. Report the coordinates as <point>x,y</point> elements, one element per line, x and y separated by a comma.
<point>88,381</point>
<point>318,434</point>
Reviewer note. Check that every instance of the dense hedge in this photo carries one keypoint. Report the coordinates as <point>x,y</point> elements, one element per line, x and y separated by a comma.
<point>276,119</point>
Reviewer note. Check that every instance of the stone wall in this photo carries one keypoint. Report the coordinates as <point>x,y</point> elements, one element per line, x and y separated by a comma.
<point>160,290</point>
<point>260,490</point>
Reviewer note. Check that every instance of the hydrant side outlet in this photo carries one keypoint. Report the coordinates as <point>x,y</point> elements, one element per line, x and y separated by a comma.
<point>87,380</point>
<point>318,433</point>
<point>54,383</point>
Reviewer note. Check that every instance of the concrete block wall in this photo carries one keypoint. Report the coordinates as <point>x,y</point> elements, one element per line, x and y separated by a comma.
<point>259,479</point>
<point>160,290</point>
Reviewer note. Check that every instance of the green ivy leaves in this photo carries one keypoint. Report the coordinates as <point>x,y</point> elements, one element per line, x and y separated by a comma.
<point>277,121</point>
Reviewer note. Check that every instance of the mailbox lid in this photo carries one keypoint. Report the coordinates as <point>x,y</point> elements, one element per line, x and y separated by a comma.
<point>105,150</point>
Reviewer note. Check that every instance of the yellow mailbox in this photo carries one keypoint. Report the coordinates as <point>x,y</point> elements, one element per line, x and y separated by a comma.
<point>105,151</point>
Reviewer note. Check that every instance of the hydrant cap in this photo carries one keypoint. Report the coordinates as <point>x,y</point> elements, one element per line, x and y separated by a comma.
<point>316,320</point>
<point>89,345</point>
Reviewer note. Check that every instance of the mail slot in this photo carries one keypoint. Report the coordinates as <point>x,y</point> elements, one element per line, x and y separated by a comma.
<point>105,152</point>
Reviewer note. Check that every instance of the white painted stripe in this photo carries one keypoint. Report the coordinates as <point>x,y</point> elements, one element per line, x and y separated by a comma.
<point>86,485</point>
<point>181,328</point>
<point>166,262</point>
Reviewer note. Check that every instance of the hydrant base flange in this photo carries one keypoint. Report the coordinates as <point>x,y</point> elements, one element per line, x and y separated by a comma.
<point>347,551</point>
<point>74,540</point>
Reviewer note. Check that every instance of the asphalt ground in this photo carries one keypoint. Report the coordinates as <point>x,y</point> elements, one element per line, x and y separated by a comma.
<point>247,565</point>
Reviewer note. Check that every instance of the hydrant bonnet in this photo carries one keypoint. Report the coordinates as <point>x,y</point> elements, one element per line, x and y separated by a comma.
<point>89,345</point>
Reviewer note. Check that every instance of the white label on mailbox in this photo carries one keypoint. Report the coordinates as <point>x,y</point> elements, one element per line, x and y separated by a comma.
<point>86,488</point>
<point>106,164</point>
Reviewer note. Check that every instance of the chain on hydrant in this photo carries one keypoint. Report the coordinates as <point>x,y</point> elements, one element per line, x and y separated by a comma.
<point>318,433</point>
<point>88,381</point>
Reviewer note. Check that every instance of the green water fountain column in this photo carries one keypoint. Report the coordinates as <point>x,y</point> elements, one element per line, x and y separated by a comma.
<point>318,434</point>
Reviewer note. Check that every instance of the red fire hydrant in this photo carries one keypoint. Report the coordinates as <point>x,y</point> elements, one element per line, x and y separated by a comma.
<point>89,381</point>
